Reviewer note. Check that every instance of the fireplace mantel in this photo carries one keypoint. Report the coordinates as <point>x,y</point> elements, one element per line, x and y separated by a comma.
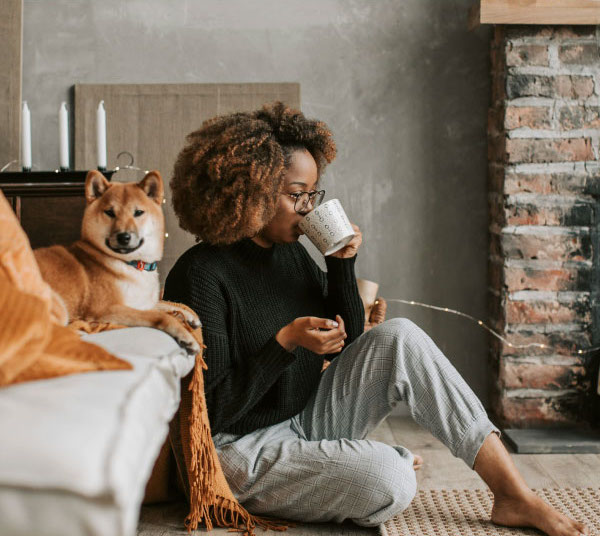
<point>535,12</point>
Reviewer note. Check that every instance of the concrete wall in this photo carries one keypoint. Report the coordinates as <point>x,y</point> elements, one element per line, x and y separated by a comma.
<point>403,85</point>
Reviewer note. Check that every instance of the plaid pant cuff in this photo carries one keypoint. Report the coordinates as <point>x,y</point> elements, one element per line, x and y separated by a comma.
<point>476,434</point>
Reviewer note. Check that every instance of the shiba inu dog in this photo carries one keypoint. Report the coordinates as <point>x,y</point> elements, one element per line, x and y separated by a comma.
<point>110,275</point>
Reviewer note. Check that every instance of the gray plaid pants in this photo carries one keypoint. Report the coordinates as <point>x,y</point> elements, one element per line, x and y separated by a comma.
<point>317,466</point>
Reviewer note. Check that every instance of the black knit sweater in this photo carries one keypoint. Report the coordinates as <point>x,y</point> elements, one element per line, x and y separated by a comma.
<point>244,294</point>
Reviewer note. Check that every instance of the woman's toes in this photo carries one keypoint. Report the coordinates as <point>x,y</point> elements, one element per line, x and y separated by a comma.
<point>417,462</point>
<point>531,511</point>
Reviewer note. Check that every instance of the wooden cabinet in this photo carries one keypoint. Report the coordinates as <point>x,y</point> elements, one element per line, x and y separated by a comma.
<point>49,205</point>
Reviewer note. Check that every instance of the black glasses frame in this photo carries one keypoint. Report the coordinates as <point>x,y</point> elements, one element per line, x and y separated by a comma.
<point>302,199</point>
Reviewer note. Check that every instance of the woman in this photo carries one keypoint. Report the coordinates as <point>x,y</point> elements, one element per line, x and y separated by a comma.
<point>290,438</point>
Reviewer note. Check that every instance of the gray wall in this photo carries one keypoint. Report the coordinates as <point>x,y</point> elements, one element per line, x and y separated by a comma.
<point>402,83</point>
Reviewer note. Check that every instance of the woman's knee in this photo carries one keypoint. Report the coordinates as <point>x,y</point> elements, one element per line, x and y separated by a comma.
<point>400,335</point>
<point>394,487</point>
<point>401,488</point>
<point>399,332</point>
<point>396,327</point>
<point>401,483</point>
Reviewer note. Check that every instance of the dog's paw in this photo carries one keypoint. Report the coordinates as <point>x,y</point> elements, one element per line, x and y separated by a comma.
<point>190,317</point>
<point>191,346</point>
<point>194,322</point>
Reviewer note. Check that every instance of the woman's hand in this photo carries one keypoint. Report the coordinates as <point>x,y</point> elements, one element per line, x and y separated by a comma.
<point>319,335</point>
<point>350,249</point>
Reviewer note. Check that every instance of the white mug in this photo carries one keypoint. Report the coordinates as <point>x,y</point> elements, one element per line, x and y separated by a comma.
<point>328,227</point>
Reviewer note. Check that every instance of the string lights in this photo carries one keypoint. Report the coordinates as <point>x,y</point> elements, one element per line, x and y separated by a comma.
<point>483,325</point>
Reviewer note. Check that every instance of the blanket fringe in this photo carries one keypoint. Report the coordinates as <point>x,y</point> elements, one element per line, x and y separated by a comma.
<point>229,514</point>
<point>205,506</point>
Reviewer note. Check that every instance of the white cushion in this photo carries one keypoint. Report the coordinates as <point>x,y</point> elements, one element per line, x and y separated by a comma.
<point>76,451</point>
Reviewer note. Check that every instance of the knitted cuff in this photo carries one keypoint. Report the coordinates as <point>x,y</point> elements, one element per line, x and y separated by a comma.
<point>340,271</point>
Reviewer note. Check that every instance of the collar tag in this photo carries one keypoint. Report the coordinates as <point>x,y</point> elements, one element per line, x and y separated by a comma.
<point>143,266</point>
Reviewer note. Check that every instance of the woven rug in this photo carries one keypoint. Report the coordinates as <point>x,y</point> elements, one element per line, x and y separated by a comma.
<point>467,513</point>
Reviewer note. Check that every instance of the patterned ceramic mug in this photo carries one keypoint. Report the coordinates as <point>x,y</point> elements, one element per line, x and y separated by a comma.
<point>328,227</point>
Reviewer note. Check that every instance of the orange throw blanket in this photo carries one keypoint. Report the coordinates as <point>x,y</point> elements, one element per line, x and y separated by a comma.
<point>211,500</point>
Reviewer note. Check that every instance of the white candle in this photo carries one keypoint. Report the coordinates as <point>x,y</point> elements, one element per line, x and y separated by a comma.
<point>101,135</point>
<point>63,129</point>
<point>26,137</point>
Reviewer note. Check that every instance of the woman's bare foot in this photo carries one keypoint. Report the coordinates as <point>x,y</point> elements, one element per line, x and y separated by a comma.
<point>515,505</point>
<point>418,462</point>
<point>532,511</point>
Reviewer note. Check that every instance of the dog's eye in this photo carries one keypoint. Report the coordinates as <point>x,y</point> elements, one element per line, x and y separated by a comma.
<point>138,213</point>
<point>110,213</point>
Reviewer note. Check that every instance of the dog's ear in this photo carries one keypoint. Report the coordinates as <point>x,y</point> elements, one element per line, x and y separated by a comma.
<point>152,184</point>
<point>95,185</point>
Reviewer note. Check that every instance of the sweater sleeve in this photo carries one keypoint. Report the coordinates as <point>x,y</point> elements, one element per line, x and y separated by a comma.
<point>232,387</point>
<point>340,291</point>
<point>342,297</point>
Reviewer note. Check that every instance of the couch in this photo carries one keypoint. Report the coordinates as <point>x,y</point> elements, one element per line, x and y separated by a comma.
<point>77,451</point>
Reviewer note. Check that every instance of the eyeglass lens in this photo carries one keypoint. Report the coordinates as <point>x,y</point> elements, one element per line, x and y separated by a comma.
<point>303,201</point>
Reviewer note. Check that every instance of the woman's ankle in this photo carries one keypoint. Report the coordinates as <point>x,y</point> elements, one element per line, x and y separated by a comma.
<point>497,469</point>
<point>520,494</point>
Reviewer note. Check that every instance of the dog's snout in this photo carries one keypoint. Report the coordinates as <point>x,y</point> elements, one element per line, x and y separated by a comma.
<point>123,239</point>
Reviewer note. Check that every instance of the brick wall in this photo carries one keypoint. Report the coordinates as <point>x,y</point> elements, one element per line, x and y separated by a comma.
<point>544,187</point>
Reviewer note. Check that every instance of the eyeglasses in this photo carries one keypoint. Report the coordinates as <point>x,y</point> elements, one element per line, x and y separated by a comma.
<point>302,199</point>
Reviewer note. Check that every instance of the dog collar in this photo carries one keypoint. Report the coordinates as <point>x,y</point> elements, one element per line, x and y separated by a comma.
<point>141,265</point>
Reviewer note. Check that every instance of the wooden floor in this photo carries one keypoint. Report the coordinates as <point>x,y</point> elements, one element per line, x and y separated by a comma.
<point>441,470</point>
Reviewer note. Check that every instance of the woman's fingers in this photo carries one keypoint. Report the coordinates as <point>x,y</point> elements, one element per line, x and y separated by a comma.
<point>331,336</point>
<point>327,335</point>
<point>340,321</point>
<point>357,239</point>
<point>314,322</point>
<point>327,342</point>
<point>334,346</point>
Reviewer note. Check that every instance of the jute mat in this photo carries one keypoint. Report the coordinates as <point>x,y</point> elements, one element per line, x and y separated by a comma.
<point>467,513</point>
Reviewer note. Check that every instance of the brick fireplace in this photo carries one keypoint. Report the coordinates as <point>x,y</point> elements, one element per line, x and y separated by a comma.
<point>544,195</point>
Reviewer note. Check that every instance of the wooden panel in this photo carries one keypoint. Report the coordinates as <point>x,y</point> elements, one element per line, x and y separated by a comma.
<point>540,11</point>
<point>151,122</point>
<point>11,34</point>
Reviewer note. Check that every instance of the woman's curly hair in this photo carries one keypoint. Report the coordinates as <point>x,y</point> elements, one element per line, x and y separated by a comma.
<point>227,180</point>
